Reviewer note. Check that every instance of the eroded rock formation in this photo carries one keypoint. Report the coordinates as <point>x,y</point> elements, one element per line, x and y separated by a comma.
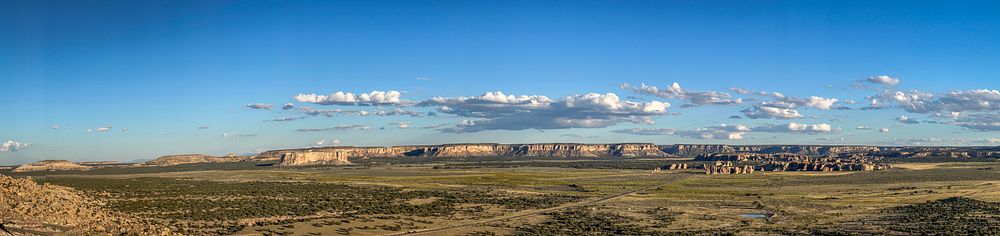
<point>194,158</point>
<point>313,156</point>
<point>51,165</point>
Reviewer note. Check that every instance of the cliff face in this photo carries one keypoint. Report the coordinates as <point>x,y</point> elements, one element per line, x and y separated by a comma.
<point>339,155</point>
<point>559,150</point>
<point>51,165</point>
<point>809,150</point>
<point>335,157</point>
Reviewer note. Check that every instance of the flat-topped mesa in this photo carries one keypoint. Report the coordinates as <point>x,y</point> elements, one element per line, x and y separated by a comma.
<point>691,150</point>
<point>339,155</point>
<point>51,165</point>
<point>308,157</point>
<point>193,158</point>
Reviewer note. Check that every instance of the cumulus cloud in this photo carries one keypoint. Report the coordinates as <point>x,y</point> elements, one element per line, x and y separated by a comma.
<point>695,98</point>
<point>646,131</point>
<point>883,80</point>
<point>883,130</point>
<point>819,102</point>
<point>402,125</point>
<point>498,111</point>
<point>772,110</point>
<point>434,126</point>
<point>980,122</point>
<point>324,142</point>
<point>981,100</point>
<point>259,106</point>
<point>288,106</point>
<point>338,127</point>
<point>290,118</point>
<point>13,146</point>
<point>906,120</point>
<point>793,127</point>
<point>350,99</point>
<point>723,131</point>
<point>331,113</point>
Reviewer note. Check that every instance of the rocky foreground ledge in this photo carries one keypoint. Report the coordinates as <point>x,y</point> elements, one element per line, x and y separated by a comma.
<point>28,208</point>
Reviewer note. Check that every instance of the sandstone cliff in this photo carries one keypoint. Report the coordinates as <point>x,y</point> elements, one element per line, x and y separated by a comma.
<point>339,155</point>
<point>50,165</point>
<point>691,150</point>
<point>308,157</point>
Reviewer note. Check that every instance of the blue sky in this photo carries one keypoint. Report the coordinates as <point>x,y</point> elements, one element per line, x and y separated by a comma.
<point>178,75</point>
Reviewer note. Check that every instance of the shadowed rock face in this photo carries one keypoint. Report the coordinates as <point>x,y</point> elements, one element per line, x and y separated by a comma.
<point>51,165</point>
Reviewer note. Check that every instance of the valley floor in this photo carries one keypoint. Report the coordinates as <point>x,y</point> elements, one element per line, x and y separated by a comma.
<point>471,199</point>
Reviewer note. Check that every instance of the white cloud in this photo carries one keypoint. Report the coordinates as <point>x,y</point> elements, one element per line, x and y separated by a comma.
<point>980,122</point>
<point>820,102</point>
<point>13,146</point>
<point>103,129</point>
<point>723,131</point>
<point>259,106</point>
<point>695,98</point>
<point>402,125</point>
<point>883,130</point>
<point>906,120</point>
<point>54,127</point>
<point>981,100</point>
<point>646,131</point>
<point>347,98</point>
<point>288,118</point>
<point>338,127</point>
<point>498,111</point>
<point>883,80</point>
<point>331,113</point>
<point>862,127</point>
<point>793,127</point>
<point>772,111</point>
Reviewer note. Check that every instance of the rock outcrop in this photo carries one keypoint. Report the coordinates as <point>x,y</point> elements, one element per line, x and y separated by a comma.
<point>29,208</point>
<point>51,165</point>
<point>623,150</point>
<point>727,168</point>
<point>691,150</point>
<point>335,157</point>
<point>194,158</point>
<point>339,155</point>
